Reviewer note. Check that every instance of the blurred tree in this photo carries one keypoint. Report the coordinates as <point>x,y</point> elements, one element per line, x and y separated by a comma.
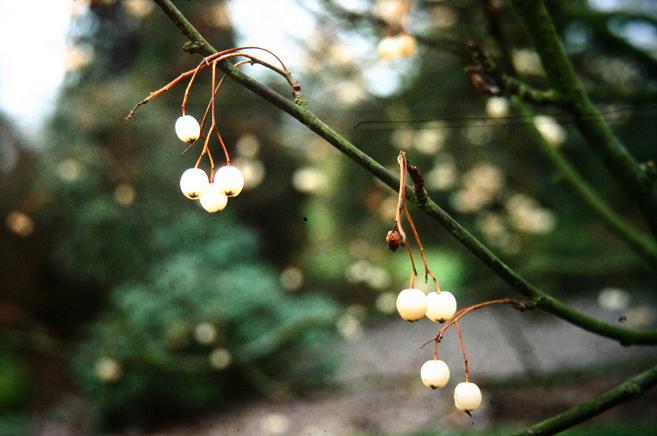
<point>168,310</point>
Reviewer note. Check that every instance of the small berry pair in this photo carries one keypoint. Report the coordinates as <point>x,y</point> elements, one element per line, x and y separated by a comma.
<point>435,375</point>
<point>413,305</point>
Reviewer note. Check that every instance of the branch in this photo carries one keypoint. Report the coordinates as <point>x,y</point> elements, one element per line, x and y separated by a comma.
<point>539,298</point>
<point>490,80</point>
<point>628,391</point>
<point>638,241</point>
<point>635,239</point>
<point>594,129</point>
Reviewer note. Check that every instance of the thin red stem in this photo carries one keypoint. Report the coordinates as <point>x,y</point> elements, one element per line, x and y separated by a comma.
<point>416,235</point>
<point>465,357</point>
<point>401,196</point>
<point>206,62</point>
<point>461,313</point>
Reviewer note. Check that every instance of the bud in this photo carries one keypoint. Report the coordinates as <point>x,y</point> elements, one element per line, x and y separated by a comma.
<point>393,239</point>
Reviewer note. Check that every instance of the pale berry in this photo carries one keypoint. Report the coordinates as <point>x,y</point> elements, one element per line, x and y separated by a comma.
<point>467,397</point>
<point>440,306</point>
<point>388,48</point>
<point>230,179</point>
<point>193,182</point>
<point>406,45</point>
<point>187,128</point>
<point>434,374</point>
<point>411,304</point>
<point>213,198</point>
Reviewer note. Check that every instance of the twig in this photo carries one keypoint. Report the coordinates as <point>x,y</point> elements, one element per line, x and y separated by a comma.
<point>419,189</point>
<point>212,60</point>
<point>516,304</point>
<point>519,305</point>
<point>209,106</point>
<point>627,391</point>
<point>427,270</point>
<point>592,126</point>
<point>401,199</point>
<point>401,195</point>
<point>490,80</point>
<point>636,240</point>
<point>465,357</point>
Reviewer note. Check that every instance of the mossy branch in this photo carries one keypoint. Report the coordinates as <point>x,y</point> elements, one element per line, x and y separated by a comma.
<point>522,94</point>
<point>630,390</point>
<point>562,77</point>
<point>638,241</point>
<point>539,298</point>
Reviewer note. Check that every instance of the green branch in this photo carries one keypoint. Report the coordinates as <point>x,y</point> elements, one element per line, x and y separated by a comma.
<point>539,298</point>
<point>630,390</point>
<point>591,125</point>
<point>638,241</point>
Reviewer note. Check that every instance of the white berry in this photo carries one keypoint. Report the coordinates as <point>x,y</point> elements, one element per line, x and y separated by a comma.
<point>388,48</point>
<point>467,397</point>
<point>434,374</point>
<point>411,304</point>
<point>213,198</point>
<point>230,179</point>
<point>406,45</point>
<point>187,128</point>
<point>403,45</point>
<point>193,183</point>
<point>440,306</point>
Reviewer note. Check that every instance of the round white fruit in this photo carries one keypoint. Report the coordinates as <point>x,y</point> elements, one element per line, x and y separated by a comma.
<point>467,397</point>
<point>434,374</point>
<point>388,48</point>
<point>230,179</point>
<point>213,198</point>
<point>411,304</point>
<point>406,45</point>
<point>193,183</point>
<point>440,306</point>
<point>187,128</point>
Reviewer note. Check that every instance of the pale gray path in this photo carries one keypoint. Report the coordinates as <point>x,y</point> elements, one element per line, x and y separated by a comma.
<point>381,390</point>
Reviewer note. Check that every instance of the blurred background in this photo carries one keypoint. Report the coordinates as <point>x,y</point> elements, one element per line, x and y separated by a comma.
<point>125,309</point>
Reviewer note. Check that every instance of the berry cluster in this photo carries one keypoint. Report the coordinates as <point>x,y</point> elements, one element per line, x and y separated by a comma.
<point>195,183</point>
<point>213,191</point>
<point>439,306</point>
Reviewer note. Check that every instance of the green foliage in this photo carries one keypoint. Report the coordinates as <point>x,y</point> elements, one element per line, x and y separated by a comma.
<point>13,381</point>
<point>195,270</point>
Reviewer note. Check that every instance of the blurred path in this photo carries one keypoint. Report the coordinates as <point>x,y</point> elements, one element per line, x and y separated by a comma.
<point>381,390</point>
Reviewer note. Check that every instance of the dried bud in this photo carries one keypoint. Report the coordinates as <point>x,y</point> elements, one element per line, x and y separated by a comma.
<point>393,239</point>
<point>484,84</point>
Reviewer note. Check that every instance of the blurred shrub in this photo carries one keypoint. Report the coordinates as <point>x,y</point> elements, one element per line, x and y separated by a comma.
<point>191,316</point>
<point>13,382</point>
<point>193,326</point>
